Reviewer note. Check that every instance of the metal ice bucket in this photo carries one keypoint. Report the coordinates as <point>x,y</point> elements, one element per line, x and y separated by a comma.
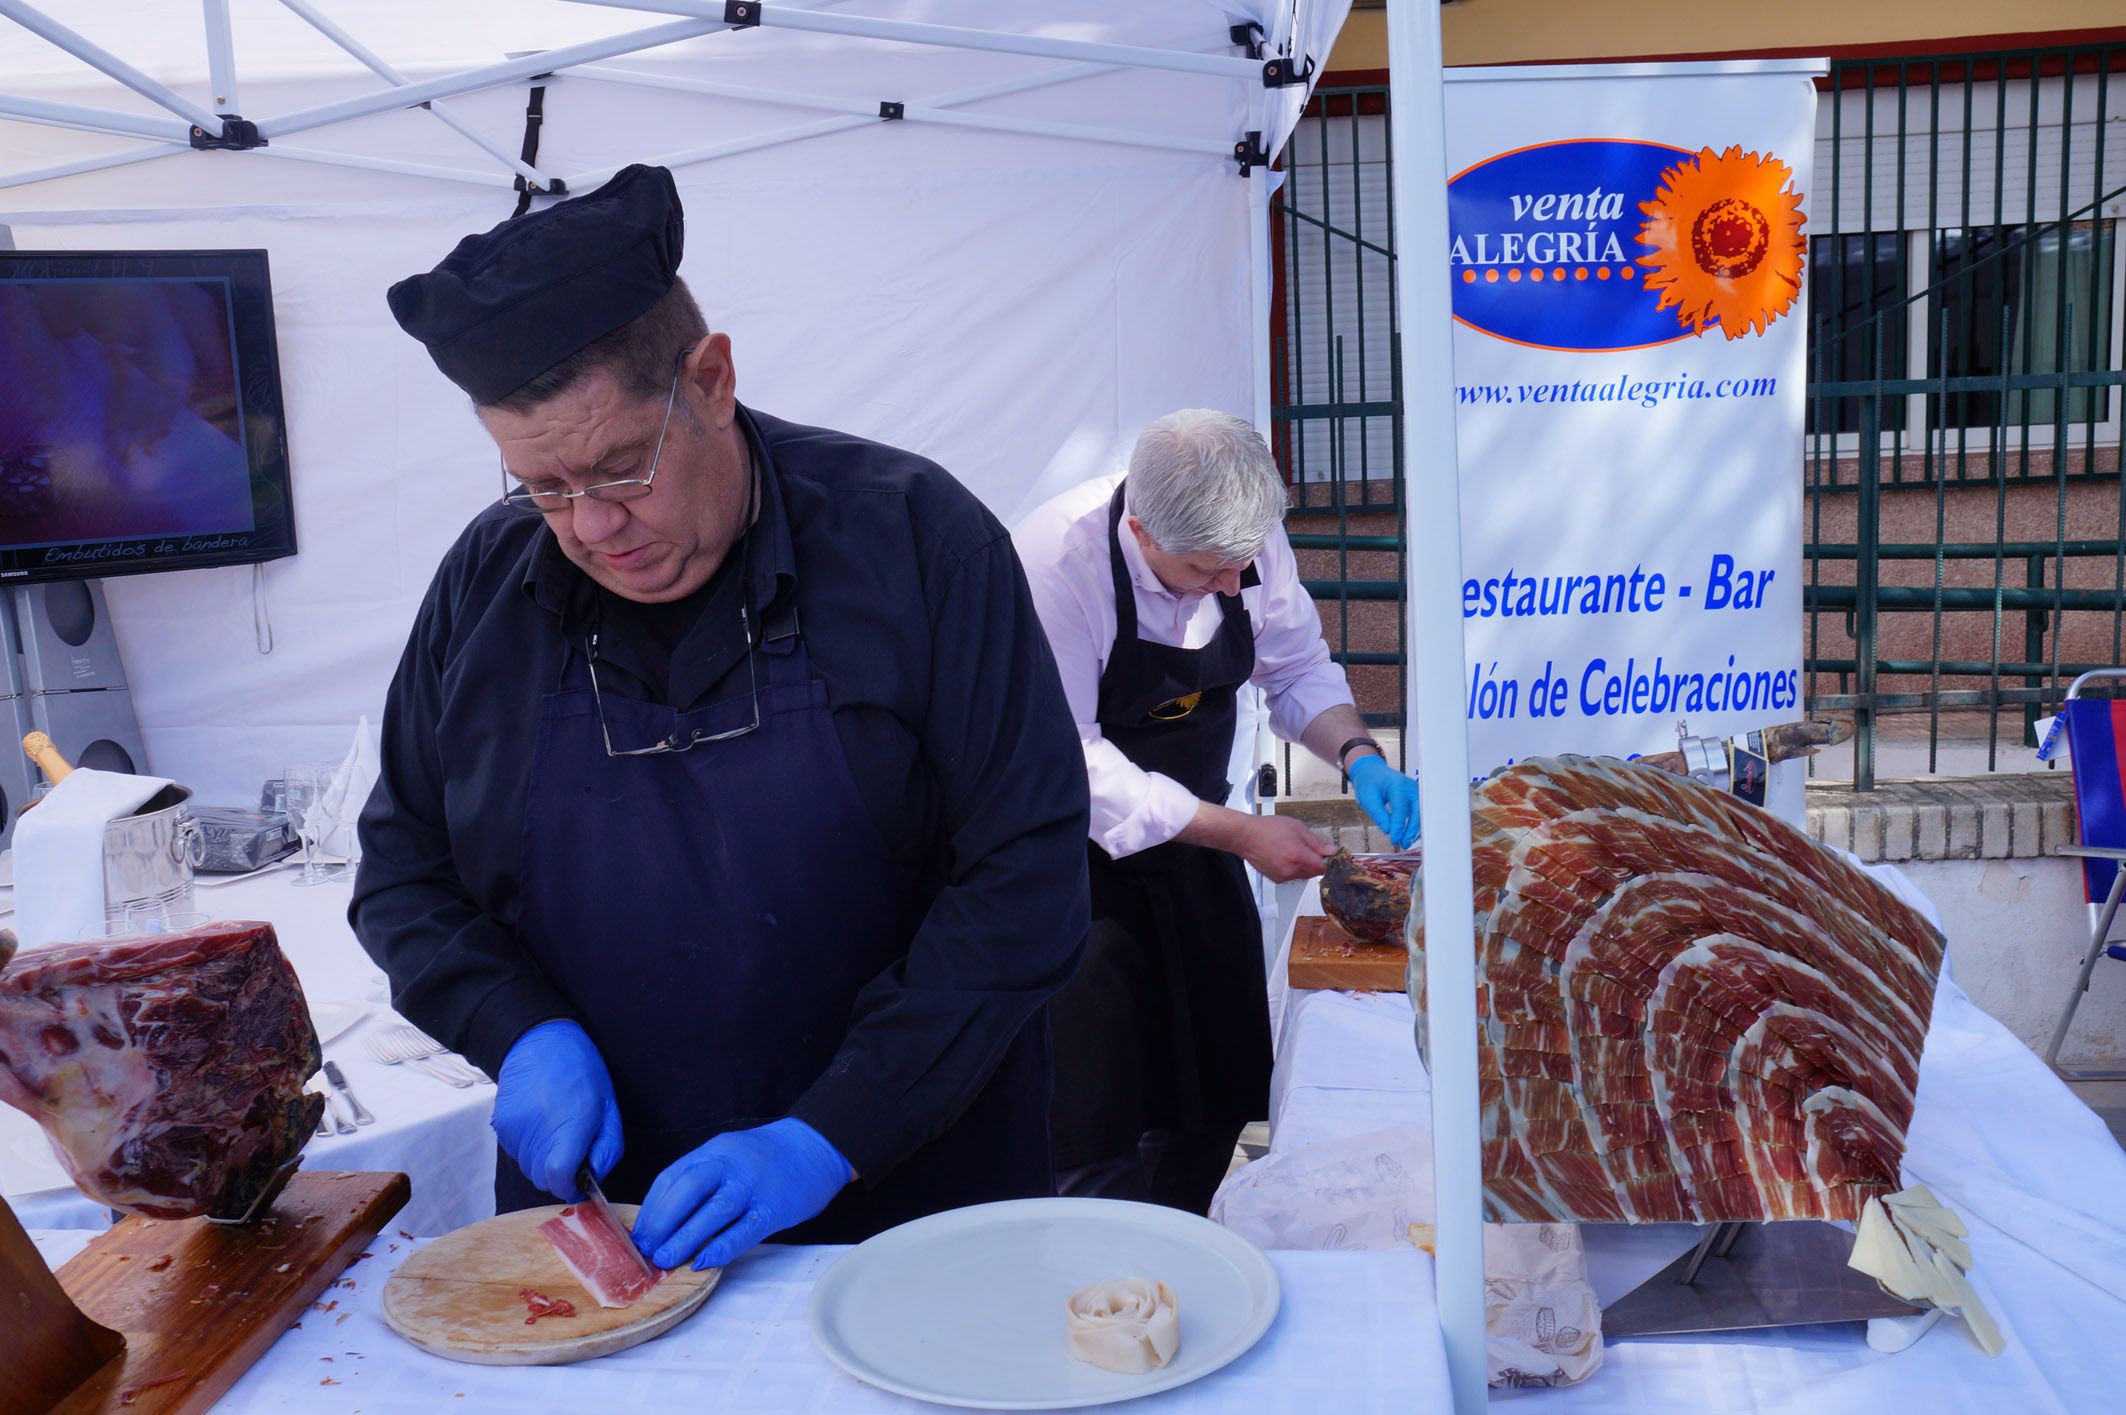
<point>148,857</point>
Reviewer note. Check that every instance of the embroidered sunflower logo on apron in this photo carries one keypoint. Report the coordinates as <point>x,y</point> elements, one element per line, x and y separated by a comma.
<point>1174,709</point>
<point>1725,229</point>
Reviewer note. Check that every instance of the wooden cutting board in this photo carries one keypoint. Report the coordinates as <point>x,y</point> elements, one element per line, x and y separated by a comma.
<point>1324,956</point>
<point>198,1302</point>
<point>457,1297</point>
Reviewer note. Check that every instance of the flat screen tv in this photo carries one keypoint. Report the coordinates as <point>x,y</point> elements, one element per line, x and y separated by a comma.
<point>140,414</point>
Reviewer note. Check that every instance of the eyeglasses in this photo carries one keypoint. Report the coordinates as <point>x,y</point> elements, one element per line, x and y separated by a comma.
<point>627,489</point>
<point>678,741</point>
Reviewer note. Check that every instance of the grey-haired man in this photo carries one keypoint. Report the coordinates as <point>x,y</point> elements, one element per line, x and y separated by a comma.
<point>1162,591</point>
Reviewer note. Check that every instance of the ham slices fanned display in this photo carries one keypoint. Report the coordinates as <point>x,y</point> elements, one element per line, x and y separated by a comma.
<point>167,1070</point>
<point>1688,1010</point>
<point>592,1245</point>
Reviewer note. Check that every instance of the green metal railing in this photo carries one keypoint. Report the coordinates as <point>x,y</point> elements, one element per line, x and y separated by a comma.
<point>1974,376</point>
<point>1337,375</point>
<point>1966,533</point>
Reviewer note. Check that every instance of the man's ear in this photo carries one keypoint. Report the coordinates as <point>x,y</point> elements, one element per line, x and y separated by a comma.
<point>711,373</point>
<point>1144,537</point>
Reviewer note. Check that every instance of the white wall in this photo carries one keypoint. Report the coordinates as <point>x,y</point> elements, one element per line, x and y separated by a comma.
<point>2017,930</point>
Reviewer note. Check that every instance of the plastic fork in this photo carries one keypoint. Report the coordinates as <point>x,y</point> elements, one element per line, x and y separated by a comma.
<point>391,1048</point>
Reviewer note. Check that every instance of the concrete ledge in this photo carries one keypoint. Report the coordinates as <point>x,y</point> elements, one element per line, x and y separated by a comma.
<point>2006,816</point>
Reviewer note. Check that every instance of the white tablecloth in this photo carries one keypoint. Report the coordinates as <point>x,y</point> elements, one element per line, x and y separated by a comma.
<point>2031,1169</point>
<point>436,1134</point>
<point>1356,1334</point>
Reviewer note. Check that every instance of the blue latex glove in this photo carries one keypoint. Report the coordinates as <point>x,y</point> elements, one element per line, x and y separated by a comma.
<point>1389,797</point>
<point>736,1190</point>
<point>554,1107</point>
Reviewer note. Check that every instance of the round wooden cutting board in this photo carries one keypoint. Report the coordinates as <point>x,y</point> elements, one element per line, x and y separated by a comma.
<point>457,1297</point>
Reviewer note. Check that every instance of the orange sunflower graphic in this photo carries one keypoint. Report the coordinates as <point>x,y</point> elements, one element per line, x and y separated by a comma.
<point>1726,235</point>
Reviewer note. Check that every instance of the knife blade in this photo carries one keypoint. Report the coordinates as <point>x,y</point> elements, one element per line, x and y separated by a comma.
<point>594,1196</point>
<point>339,1083</point>
<point>594,1199</point>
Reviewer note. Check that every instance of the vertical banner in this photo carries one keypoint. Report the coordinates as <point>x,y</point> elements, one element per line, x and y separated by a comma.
<point>1628,262</point>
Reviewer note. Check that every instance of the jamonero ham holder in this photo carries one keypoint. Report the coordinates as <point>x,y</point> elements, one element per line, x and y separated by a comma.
<point>169,1073</point>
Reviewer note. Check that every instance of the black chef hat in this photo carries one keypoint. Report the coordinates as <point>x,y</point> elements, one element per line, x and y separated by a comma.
<point>507,305</point>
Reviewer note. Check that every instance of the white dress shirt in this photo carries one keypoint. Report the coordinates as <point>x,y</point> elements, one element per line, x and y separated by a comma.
<point>1064,547</point>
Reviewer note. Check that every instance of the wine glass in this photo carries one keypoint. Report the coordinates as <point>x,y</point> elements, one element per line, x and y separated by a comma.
<point>307,783</point>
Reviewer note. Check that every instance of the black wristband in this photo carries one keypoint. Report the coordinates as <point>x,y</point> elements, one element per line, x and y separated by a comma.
<point>1345,751</point>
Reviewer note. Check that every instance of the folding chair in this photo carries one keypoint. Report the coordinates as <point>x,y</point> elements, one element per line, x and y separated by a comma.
<point>2096,743</point>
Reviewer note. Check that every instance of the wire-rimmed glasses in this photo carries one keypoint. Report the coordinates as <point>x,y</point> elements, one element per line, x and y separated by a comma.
<point>626,489</point>
<point>677,741</point>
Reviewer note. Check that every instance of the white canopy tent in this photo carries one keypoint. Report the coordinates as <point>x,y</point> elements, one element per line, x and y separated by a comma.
<point>1052,244</point>
<point>1004,234</point>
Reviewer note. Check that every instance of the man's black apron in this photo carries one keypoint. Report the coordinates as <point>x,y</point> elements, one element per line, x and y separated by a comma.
<point>1165,1026</point>
<point>712,916</point>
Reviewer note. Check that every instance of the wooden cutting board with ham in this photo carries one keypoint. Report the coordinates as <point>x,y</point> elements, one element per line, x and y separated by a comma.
<point>495,1293</point>
<point>1324,956</point>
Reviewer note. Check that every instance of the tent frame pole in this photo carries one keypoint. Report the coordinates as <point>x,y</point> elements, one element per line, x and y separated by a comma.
<point>97,120</point>
<point>221,56</point>
<point>912,112</point>
<point>524,66</point>
<point>487,76</point>
<point>781,15</point>
<point>479,178</point>
<point>161,95</point>
<point>376,64</point>
<point>91,164</point>
<point>1417,118</point>
<point>798,133</point>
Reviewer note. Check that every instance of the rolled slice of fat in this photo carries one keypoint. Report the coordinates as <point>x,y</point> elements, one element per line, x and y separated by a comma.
<point>1132,1325</point>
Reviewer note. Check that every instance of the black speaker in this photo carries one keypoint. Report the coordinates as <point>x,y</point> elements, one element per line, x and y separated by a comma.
<point>94,729</point>
<point>67,643</point>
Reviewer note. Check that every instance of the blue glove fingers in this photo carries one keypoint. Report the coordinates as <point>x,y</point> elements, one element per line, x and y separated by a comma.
<point>674,1196</point>
<point>736,1239</point>
<point>1403,807</point>
<point>1370,783</point>
<point>607,1149</point>
<point>561,1156</point>
<point>729,1204</point>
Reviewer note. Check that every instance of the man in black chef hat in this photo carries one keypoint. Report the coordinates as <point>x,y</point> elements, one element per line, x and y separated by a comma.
<point>730,811</point>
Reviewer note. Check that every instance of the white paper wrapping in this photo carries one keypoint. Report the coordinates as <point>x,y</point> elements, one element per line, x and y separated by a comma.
<point>1374,1191</point>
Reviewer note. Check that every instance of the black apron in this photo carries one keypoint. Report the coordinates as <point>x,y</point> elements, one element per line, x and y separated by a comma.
<point>1166,1024</point>
<point>712,915</point>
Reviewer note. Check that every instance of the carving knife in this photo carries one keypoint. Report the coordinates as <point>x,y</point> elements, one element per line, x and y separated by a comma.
<point>594,1199</point>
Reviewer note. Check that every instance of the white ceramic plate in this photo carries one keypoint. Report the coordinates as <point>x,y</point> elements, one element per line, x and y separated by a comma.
<point>967,1307</point>
<point>333,1018</point>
